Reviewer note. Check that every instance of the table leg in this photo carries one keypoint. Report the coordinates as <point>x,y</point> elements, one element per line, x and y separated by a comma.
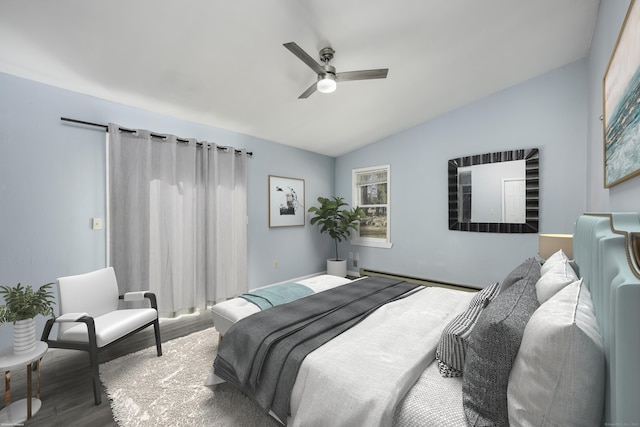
<point>7,388</point>
<point>29,391</point>
<point>38,379</point>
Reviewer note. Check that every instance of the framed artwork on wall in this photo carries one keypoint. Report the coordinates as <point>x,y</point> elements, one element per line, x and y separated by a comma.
<point>621,103</point>
<point>286,201</point>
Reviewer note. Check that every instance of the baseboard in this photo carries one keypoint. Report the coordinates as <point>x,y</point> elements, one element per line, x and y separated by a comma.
<point>419,280</point>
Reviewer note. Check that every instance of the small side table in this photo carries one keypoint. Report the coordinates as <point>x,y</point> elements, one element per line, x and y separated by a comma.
<point>22,410</point>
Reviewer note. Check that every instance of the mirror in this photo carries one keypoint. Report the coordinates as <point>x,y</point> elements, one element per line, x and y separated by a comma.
<point>495,192</point>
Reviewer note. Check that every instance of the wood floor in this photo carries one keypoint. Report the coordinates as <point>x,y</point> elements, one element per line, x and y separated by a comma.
<point>66,388</point>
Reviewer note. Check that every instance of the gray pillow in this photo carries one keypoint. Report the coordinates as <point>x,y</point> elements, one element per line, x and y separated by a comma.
<point>492,347</point>
<point>530,266</point>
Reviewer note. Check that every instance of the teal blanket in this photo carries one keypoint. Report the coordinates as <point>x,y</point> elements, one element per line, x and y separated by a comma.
<point>278,294</point>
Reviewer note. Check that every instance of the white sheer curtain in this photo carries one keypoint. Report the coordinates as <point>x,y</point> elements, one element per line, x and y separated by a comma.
<point>177,219</point>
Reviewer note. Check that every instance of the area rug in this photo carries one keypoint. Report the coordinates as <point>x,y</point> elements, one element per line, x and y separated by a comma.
<point>146,390</point>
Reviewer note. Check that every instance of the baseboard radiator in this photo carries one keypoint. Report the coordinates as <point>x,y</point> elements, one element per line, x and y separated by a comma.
<point>418,280</point>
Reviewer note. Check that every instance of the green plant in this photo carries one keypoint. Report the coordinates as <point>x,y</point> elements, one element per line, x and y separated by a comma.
<point>334,219</point>
<point>23,303</point>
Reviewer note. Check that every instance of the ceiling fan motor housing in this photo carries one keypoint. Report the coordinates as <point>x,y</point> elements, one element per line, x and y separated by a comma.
<point>326,54</point>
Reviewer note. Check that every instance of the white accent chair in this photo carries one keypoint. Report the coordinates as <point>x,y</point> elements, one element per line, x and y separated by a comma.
<point>90,320</point>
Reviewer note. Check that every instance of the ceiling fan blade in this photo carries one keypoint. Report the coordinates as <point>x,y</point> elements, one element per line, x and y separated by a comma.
<point>307,93</point>
<point>304,57</point>
<point>362,75</point>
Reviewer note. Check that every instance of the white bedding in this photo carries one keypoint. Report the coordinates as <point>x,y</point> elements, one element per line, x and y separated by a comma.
<point>432,401</point>
<point>359,377</point>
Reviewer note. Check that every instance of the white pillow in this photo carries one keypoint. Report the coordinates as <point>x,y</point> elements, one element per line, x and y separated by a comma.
<point>558,376</point>
<point>556,277</point>
<point>554,260</point>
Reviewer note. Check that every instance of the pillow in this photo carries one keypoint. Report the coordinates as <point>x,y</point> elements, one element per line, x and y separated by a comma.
<point>558,377</point>
<point>557,258</point>
<point>492,348</point>
<point>556,278</point>
<point>529,266</point>
<point>452,347</point>
<point>485,296</point>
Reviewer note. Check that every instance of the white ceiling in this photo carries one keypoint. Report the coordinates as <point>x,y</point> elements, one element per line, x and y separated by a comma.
<point>222,63</point>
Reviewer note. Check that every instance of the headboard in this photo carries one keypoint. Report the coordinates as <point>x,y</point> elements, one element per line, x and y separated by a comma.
<point>606,248</point>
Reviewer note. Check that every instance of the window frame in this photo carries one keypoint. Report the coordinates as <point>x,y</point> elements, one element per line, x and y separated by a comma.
<point>371,241</point>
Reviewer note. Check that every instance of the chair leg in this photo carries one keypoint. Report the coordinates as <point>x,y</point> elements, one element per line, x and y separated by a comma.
<point>156,329</point>
<point>95,373</point>
<point>93,358</point>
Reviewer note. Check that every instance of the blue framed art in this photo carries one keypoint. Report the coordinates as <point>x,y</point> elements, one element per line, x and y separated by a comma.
<point>621,103</point>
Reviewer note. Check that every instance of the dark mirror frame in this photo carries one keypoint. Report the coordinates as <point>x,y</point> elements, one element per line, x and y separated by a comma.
<point>531,157</point>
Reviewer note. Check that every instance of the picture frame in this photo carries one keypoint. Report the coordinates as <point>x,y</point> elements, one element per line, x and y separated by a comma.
<point>621,109</point>
<point>286,202</point>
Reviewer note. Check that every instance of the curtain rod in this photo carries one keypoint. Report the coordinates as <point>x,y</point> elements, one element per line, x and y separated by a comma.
<point>106,129</point>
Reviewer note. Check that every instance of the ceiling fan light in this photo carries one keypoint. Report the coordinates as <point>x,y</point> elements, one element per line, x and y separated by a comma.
<point>327,83</point>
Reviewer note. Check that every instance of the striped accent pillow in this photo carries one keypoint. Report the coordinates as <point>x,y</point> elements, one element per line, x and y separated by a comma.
<point>485,295</point>
<point>452,347</point>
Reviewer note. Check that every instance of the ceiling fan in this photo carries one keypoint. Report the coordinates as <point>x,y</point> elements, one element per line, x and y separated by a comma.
<point>327,76</point>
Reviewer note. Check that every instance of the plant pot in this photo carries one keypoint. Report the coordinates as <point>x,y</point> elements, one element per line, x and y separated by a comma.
<point>24,336</point>
<point>337,267</point>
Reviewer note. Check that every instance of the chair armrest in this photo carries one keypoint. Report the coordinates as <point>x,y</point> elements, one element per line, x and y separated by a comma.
<point>139,296</point>
<point>70,317</point>
<point>134,296</point>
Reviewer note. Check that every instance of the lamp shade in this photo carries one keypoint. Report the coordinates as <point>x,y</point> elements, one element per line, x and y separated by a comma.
<point>552,243</point>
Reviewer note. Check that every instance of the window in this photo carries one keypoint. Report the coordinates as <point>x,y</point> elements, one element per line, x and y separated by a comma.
<point>371,193</point>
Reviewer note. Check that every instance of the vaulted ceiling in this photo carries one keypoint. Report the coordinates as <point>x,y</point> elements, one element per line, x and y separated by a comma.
<point>222,63</point>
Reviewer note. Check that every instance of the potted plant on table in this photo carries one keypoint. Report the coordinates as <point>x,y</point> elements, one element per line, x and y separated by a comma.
<point>21,305</point>
<point>335,218</point>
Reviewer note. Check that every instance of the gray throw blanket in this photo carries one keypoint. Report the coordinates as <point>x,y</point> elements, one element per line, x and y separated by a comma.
<point>261,354</point>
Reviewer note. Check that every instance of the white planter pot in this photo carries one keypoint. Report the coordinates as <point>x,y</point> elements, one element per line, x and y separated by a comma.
<point>337,268</point>
<point>24,336</point>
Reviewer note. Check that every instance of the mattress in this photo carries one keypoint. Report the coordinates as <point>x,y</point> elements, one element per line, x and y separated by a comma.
<point>229,312</point>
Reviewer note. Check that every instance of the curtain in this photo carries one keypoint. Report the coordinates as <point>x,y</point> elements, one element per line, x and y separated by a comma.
<point>177,219</point>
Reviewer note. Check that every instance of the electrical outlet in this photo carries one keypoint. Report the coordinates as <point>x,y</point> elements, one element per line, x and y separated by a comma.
<point>350,255</point>
<point>96,224</point>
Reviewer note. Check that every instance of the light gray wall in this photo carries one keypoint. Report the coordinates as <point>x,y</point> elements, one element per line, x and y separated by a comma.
<point>548,112</point>
<point>624,196</point>
<point>52,182</point>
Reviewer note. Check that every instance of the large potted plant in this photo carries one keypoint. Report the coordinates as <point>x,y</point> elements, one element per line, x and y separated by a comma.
<point>21,305</point>
<point>335,218</point>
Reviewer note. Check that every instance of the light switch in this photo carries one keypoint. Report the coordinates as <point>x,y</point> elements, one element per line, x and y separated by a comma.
<point>96,224</point>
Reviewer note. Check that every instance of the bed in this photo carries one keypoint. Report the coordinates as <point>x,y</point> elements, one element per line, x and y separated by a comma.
<point>547,345</point>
